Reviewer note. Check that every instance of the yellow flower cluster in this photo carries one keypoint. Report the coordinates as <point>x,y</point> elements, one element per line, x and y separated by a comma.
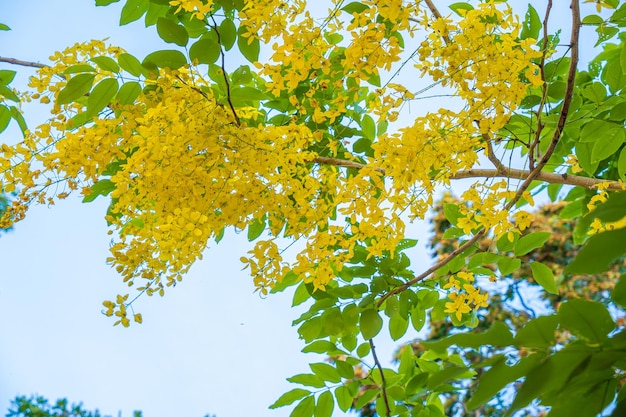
<point>483,59</point>
<point>597,225</point>
<point>182,165</point>
<point>198,8</point>
<point>464,296</point>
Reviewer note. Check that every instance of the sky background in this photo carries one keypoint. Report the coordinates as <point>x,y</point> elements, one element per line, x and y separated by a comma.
<point>210,346</point>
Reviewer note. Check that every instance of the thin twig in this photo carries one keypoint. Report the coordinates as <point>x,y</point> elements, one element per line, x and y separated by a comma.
<point>383,387</point>
<point>22,63</point>
<point>491,155</point>
<point>435,267</point>
<point>224,73</point>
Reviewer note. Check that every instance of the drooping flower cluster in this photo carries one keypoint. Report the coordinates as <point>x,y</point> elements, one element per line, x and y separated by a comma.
<point>181,163</point>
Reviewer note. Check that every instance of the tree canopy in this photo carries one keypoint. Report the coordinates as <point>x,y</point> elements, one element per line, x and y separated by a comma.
<point>312,149</point>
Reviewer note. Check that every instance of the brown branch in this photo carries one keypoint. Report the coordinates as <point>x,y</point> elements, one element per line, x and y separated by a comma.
<point>433,8</point>
<point>383,387</point>
<point>501,172</point>
<point>491,155</point>
<point>549,177</point>
<point>22,63</point>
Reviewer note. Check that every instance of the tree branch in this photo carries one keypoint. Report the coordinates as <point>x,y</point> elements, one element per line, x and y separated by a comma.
<point>549,177</point>
<point>383,387</point>
<point>501,172</point>
<point>433,8</point>
<point>22,63</point>
<point>435,267</point>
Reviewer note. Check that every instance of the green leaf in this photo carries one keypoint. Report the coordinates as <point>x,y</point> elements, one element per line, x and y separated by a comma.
<point>345,369</point>
<point>166,59</point>
<point>538,333</point>
<point>256,228</point>
<point>417,383</point>
<point>497,335</point>
<point>418,317</point>
<point>133,10</point>
<point>332,321</point>
<point>248,45</point>
<point>595,92</point>
<point>461,8</point>
<point>344,398</point>
<point>445,375</point>
<point>130,64</point>
<point>369,127</point>
<point>499,376</point>
<point>6,76</point>
<point>618,295</point>
<point>607,144</point>
<point>325,371</point>
<point>5,27</point>
<point>370,323</point>
<point>621,163</point>
<point>613,209</point>
<point>363,145</point>
<point>614,76</point>
<point>531,25</point>
<point>397,326</point>
<point>205,51</point>
<point>5,117</point>
<point>228,33</point>
<point>8,93</point>
<point>247,94</point>
<point>289,397</point>
<point>452,213</point>
<point>599,253</point>
<point>531,241</point>
<point>128,92</point>
<point>320,346</point>
<point>507,265</point>
<point>325,405</point>
<point>79,68</point>
<point>587,319</point>
<point>106,63</point>
<point>304,408</point>
<point>544,277</point>
<point>101,95</point>
<point>171,32</point>
<point>102,187</point>
<point>363,350</point>
<point>77,87</point>
<point>17,116</point>
<point>300,295</point>
<point>105,2</point>
<point>354,7</point>
<point>311,329</point>
<point>308,380</point>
